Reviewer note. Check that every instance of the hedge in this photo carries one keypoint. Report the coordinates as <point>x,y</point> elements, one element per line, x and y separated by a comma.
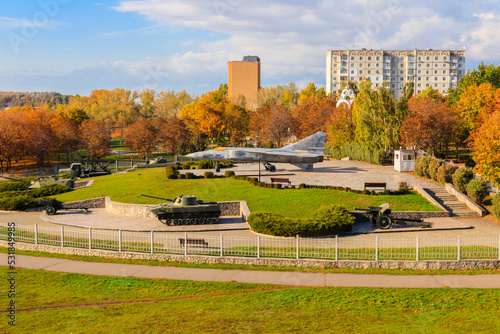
<point>461,178</point>
<point>496,205</point>
<point>358,152</point>
<point>329,220</point>
<point>477,190</point>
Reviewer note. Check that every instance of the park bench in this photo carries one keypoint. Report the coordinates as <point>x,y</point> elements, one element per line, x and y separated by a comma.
<point>193,242</point>
<point>375,185</point>
<point>280,180</point>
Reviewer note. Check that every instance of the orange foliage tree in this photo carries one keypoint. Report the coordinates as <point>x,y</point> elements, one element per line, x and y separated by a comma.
<point>66,136</point>
<point>430,122</point>
<point>312,116</point>
<point>141,137</point>
<point>12,144</point>
<point>39,137</point>
<point>174,134</point>
<point>270,124</point>
<point>96,138</point>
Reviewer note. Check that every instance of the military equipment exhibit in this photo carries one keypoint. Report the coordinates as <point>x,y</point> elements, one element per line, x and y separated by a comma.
<point>153,163</point>
<point>380,217</point>
<point>186,210</point>
<point>78,170</point>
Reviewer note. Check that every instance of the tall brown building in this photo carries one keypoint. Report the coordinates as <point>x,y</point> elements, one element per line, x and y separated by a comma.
<point>244,79</point>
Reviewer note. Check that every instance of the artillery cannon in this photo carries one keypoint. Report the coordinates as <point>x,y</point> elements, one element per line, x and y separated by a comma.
<point>380,217</point>
<point>185,210</point>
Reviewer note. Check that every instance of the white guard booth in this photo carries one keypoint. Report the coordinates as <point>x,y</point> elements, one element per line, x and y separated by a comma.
<point>404,161</point>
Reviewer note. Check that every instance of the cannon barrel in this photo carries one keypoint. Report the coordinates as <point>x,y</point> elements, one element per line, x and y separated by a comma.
<point>362,209</point>
<point>166,199</point>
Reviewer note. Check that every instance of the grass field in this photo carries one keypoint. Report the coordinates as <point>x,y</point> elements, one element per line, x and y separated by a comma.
<point>127,188</point>
<point>49,302</point>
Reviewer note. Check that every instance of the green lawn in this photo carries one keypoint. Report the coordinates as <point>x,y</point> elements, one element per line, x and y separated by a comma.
<point>74,303</point>
<point>128,187</point>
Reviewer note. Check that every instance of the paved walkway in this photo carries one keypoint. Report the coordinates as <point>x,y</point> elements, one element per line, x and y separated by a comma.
<point>260,277</point>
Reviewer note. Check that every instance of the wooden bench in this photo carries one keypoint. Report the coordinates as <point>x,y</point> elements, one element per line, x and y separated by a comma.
<point>193,242</point>
<point>376,185</point>
<point>280,180</point>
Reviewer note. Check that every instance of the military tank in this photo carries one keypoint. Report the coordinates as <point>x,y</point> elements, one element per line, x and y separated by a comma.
<point>186,210</point>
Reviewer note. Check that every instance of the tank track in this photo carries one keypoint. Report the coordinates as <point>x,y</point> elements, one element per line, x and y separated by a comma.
<point>167,219</point>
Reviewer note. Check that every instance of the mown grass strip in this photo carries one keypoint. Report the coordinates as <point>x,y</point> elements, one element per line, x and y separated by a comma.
<point>212,307</point>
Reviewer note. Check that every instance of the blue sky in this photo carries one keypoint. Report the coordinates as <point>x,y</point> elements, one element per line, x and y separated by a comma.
<point>74,46</point>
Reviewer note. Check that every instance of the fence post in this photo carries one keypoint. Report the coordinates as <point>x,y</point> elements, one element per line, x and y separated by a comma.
<point>152,241</point>
<point>185,242</point>
<point>417,249</point>
<point>41,172</point>
<point>26,172</point>
<point>376,248</point>
<point>298,238</point>
<point>119,240</point>
<point>36,234</point>
<point>258,246</point>
<point>458,249</point>
<point>90,238</point>
<point>221,245</point>
<point>12,173</point>
<point>336,247</point>
<point>62,236</point>
<point>131,163</point>
<point>57,169</point>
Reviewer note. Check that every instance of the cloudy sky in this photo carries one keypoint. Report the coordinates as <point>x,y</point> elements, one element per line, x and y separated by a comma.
<point>74,46</point>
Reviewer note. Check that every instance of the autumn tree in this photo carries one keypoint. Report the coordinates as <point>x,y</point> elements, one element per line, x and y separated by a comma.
<point>12,138</point>
<point>311,91</point>
<point>96,138</point>
<point>169,103</point>
<point>429,123</point>
<point>174,135</point>
<point>282,95</point>
<point>312,116</point>
<point>147,107</point>
<point>66,135</point>
<point>485,141</point>
<point>483,74</point>
<point>270,124</point>
<point>474,100</point>
<point>340,127</point>
<point>110,105</point>
<point>40,138</point>
<point>141,137</point>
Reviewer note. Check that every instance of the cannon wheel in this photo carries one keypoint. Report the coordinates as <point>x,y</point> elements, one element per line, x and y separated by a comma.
<point>384,222</point>
<point>373,219</point>
<point>50,210</point>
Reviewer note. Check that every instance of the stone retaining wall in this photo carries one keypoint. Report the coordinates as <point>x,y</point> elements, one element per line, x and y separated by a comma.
<point>466,200</point>
<point>417,265</point>
<point>95,203</point>
<point>428,197</point>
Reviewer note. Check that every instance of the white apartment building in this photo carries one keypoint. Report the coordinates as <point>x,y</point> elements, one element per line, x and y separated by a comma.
<point>439,69</point>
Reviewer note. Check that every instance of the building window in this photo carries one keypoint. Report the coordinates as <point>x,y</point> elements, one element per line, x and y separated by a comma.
<point>402,65</point>
<point>444,65</point>
<point>360,71</point>
<point>378,58</point>
<point>400,72</point>
<point>426,72</point>
<point>435,79</point>
<point>377,64</point>
<point>444,58</point>
<point>334,58</point>
<point>419,78</point>
<point>369,65</point>
<point>428,65</point>
<point>334,65</point>
<point>426,85</point>
<point>428,58</point>
<point>435,72</point>
<point>402,78</point>
<point>369,72</point>
<point>427,78</point>
<point>352,58</point>
<point>369,58</point>
<point>436,58</point>
<point>419,58</point>
<point>444,71</point>
<point>419,71</point>
<point>419,84</point>
<point>419,65</point>
<point>360,58</point>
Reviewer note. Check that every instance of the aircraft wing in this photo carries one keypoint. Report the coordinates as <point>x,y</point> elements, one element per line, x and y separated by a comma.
<point>283,153</point>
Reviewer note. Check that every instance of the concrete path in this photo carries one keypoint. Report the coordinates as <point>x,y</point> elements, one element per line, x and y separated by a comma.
<point>260,277</point>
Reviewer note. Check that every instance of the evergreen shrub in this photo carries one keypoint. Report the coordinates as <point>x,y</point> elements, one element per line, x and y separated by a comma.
<point>434,165</point>
<point>208,175</point>
<point>477,191</point>
<point>171,172</point>
<point>461,178</point>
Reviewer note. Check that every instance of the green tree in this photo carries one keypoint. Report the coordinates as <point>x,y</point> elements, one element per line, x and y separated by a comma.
<point>375,117</point>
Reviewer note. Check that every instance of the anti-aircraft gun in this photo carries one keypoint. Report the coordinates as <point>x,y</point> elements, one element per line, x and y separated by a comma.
<point>380,217</point>
<point>185,210</point>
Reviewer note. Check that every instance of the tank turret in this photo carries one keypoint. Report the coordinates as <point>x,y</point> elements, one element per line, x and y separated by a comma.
<point>186,210</point>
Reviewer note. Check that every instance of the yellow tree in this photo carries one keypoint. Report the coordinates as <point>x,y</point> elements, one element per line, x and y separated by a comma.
<point>340,127</point>
<point>12,137</point>
<point>473,101</point>
<point>485,141</point>
<point>66,135</point>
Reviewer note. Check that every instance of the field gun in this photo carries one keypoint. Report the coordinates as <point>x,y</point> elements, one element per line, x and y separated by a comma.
<point>380,217</point>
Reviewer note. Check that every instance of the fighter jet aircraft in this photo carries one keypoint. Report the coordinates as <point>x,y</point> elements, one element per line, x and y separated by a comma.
<point>303,154</point>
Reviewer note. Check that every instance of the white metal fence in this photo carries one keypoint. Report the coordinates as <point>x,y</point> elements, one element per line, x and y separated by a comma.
<point>337,248</point>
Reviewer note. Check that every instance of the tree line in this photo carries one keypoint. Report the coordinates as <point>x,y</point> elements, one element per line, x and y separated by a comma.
<point>178,123</point>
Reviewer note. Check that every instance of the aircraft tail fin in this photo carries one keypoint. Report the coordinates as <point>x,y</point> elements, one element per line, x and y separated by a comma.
<point>314,143</point>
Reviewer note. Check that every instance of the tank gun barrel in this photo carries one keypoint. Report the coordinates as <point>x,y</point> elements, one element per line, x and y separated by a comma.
<point>362,209</point>
<point>165,199</point>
